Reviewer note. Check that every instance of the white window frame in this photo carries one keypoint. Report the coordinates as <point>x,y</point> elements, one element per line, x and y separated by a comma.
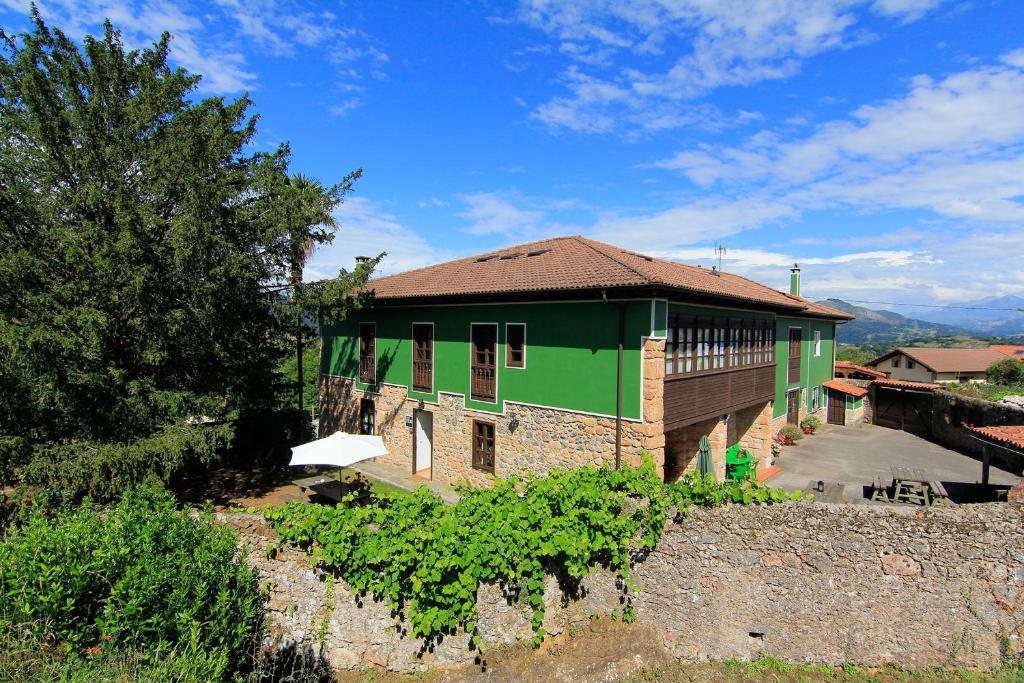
<point>815,399</point>
<point>505,347</point>
<point>817,343</point>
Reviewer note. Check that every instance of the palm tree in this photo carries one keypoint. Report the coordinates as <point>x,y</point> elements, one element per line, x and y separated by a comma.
<point>309,211</point>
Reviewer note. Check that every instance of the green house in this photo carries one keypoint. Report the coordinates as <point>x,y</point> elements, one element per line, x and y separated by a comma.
<point>570,351</point>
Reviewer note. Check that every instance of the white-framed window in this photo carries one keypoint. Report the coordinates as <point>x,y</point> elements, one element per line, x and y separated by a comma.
<point>817,342</point>
<point>815,398</point>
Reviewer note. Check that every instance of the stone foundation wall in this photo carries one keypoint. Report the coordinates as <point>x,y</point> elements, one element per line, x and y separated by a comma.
<point>950,411</point>
<point>528,439</point>
<point>804,582</point>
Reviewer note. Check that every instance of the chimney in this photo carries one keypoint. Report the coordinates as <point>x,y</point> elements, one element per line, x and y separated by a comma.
<point>794,280</point>
<point>360,260</point>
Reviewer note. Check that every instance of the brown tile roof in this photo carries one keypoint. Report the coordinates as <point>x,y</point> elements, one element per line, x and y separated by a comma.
<point>836,385</point>
<point>853,367</point>
<point>1012,435</point>
<point>948,360</point>
<point>903,384</point>
<point>578,263</point>
<point>1011,351</point>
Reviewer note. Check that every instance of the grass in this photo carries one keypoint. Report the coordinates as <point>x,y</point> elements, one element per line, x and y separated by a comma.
<point>768,668</point>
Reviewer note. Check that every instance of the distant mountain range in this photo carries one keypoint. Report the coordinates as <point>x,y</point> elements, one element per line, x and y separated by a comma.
<point>995,323</point>
<point>885,327</point>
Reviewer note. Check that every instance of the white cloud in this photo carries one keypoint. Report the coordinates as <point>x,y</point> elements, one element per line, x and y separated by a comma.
<point>345,106</point>
<point>706,44</point>
<point>211,39</point>
<point>366,229</point>
<point>946,146</point>
<point>489,213</point>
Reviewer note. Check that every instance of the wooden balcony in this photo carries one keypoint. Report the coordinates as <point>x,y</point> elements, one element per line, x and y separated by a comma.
<point>423,376</point>
<point>482,384</point>
<point>367,369</point>
<point>693,398</point>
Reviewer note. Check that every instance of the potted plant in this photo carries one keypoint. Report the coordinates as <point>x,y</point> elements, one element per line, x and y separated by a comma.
<point>790,434</point>
<point>810,424</point>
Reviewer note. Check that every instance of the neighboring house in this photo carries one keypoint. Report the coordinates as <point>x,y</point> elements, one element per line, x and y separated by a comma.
<point>1016,352</point>
<point>845,370</point>
<point>937,365</point>
<point>568,351</point>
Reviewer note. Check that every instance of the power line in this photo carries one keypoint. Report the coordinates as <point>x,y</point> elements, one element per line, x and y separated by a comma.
<point>933,305</point>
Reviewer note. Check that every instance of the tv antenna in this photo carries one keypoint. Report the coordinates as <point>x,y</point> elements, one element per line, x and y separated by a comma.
<point>720,250</point>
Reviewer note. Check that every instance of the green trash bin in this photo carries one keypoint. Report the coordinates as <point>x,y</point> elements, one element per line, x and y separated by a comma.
<point>739,463</point>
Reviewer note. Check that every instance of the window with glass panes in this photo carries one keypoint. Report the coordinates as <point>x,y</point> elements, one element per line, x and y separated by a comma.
<point>697,344</point>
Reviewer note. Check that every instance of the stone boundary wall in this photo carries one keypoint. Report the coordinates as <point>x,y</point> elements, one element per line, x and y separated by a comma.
<point>950,411</point>
<point>805,582</point>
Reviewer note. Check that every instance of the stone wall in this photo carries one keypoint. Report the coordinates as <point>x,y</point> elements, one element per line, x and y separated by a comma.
<point>528,439</point>
<point>950,411</point>
<point>805,582</point>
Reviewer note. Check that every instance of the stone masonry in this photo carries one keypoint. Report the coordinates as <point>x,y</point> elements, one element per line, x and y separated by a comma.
<point>805,582</point>
<point>528,439</point>
<point>750,427</point>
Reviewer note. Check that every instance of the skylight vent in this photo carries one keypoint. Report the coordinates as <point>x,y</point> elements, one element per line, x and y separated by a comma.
<point>645,257</point>
<point>484,258</point>
<point>509,257</point>
<point>538,252</point>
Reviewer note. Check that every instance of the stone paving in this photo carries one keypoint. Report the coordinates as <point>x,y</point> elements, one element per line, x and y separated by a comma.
<point>847,459</point>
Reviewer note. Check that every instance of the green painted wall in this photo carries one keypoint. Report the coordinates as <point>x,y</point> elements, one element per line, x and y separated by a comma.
<point>571,352</point>
<point>814,370</point>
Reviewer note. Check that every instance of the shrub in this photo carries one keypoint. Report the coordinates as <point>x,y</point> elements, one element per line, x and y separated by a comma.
<point>142,575</point>
<point>791,434</point>
<point>810,422</point>
<point>1007,372</point>
<point>104,470</point>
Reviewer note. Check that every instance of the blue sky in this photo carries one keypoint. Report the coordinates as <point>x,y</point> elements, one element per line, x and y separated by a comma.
<point>879,143</point>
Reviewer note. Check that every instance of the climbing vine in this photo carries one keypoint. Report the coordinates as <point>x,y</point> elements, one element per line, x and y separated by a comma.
<point>427,559</point>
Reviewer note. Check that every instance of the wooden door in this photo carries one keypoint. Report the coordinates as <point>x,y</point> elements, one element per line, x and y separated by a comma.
<point>793,407</point>
<point>836,408</point>
<point>483,364</point>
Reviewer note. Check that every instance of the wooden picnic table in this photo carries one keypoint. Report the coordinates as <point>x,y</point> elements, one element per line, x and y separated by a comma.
<point>914,485</point>
<point>327,487</point>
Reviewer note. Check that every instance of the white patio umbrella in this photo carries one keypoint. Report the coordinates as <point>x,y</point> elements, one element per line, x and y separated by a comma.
<point>338,449</point>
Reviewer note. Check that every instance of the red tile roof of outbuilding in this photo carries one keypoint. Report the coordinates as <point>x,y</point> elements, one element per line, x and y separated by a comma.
<point>903,384</point>
<point>1012,435</point>
<point>577,263</point>
<point>836,385</point>
<point>871,372</point>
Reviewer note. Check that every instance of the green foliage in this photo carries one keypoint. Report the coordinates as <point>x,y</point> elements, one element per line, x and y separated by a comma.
<point>427,560</point>
<point>1008,372</point>
<point>791,432</point>
<point>142,575</point>
<point>105,470</point>
<point>145,251</point>
<point>810,422</point>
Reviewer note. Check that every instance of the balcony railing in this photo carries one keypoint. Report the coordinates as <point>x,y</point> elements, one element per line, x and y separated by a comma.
<point>367,370</point>
<point>482,385</point>
<point>693,398</point>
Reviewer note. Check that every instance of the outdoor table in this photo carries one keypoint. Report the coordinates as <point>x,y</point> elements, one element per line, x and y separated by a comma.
<point>911,485</point>
<point>323,486</point>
